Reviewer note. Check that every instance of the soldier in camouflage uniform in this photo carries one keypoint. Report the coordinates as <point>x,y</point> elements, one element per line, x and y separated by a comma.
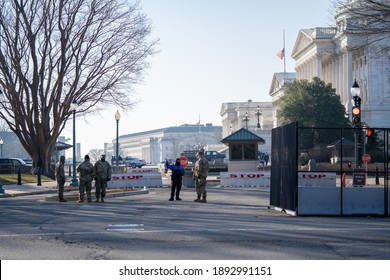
<point>60,177</point>
<point>103,175</point>
<point>201,170</point>
<point>86,171</point>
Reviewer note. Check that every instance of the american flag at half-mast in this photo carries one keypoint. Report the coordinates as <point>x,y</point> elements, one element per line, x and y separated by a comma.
<point>281,54</point>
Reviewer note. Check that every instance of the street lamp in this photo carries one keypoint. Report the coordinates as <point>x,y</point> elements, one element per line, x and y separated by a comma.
<point>246,119</point>
<point>356,121</point>
<point>117,118</point>
<point>258,114</point>
<point>73,107</point>
<point>1,145</point>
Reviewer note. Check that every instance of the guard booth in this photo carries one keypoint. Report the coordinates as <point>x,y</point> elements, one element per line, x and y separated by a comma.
<point>243,161</point>
<point>243,150</point>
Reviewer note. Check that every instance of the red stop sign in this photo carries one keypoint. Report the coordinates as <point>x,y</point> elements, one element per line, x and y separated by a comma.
<point>183,161</point>
<point>366,158</point>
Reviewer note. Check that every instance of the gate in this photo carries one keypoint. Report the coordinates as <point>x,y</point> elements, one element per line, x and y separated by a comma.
<point>348,173</point>
<point>284,167</point>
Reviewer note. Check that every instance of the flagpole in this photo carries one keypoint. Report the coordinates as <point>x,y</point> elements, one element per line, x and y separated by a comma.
<point>284,48</point>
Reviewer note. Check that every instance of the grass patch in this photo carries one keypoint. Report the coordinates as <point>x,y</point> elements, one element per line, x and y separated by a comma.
<point>12,179</point>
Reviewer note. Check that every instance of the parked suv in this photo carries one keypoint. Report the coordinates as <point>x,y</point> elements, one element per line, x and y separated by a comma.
<point>134,162</point>
<point>12,165</point>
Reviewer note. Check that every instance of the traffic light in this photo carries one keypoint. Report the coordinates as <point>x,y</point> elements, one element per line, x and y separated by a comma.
<point>356,112</point>
<point>370,135</point>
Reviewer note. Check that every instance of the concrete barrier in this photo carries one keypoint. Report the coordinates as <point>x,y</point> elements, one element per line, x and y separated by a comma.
<point>327,201</point>
<point>136,179</point>
<point>144,170</point>
<point>316,179</point>
<point>245,179</point>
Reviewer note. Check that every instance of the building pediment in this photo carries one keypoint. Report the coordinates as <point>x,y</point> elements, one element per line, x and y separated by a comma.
<point>304,40</point>
<point>281,80</point>
<point>308,38</point>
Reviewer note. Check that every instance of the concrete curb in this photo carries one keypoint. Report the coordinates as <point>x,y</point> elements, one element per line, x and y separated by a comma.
<point>75,196</point>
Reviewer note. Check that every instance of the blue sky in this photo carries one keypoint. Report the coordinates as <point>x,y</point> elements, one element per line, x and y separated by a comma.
<point>210,52</point>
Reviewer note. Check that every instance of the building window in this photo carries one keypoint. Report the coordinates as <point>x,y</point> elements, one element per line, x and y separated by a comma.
<point>243,151</point>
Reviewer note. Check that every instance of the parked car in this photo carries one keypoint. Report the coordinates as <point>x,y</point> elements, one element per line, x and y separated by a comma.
<point>27,160</point>
<point>134,162</point>
<point>12,165</point>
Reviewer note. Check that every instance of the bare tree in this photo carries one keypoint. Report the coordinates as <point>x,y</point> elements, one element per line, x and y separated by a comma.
<point>55,51</point>
<point>368,18</point>
<point>95,154</point>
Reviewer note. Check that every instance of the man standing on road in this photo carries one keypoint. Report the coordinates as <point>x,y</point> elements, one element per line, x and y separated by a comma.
<point>177,178</point>
<point>201,170</point>
<point>103,175</point>
<point>60,177</point>
<point>86,171</point>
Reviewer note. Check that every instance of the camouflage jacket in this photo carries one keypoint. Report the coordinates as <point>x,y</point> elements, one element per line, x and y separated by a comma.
<point>201,168</point>
<point>102,169</point>
<point>60,171</point>
<point>86,170</point>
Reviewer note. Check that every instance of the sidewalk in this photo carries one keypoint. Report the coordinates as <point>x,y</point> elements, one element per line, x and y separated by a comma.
<point>50,188</point>
<point>71,193</point>
<point>33,189</point>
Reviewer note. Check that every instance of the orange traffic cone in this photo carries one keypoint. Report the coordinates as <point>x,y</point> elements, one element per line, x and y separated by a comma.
<point>343,184</point>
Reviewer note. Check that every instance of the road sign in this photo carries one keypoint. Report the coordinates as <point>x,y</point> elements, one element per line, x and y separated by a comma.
<point>183,161</point>
<point>359,177</point>
<point>366,158</point>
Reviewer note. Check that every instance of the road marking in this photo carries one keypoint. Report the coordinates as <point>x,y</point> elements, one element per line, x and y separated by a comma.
<point>125,227</point>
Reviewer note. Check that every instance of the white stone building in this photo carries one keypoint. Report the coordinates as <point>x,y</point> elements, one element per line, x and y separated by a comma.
<point>339,58</point>
<point>156,145</point>
<point>279,83</point>
<point>257,117</point>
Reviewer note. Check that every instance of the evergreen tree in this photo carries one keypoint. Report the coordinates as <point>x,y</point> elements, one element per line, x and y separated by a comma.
<point>315,106</point>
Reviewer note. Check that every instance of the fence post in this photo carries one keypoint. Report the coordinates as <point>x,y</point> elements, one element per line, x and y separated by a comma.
<point>376,175</point>
<point>19,177</point>
<point>39,177</point>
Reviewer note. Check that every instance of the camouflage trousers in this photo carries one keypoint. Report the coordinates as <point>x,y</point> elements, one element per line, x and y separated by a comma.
<point>85,186</point>
<point>200,186</point>
<point>60,186</point>
<point>101,186</point>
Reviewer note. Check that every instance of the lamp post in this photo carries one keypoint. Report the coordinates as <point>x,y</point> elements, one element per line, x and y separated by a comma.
<point>73,107</point>
<point>356,121</point>
<point>117,118</point>
<point>1,145</point>
<point>246,119</point>
<point>258,114</point>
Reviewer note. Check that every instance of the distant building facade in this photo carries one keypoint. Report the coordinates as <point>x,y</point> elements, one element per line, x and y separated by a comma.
<point>280,82</point>
<point>339,58</point>
<point>237,115</point>
<point>156,145</point>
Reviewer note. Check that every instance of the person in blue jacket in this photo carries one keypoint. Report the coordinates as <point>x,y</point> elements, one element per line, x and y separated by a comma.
<point>177,178</point>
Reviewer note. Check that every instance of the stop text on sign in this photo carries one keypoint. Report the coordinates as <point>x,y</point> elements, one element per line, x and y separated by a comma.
<point>129,177</point>
<point>314,176</point>
<point>246,175</point>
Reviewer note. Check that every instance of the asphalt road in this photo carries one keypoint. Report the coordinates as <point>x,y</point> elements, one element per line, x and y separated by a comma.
<point>235,224</point>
